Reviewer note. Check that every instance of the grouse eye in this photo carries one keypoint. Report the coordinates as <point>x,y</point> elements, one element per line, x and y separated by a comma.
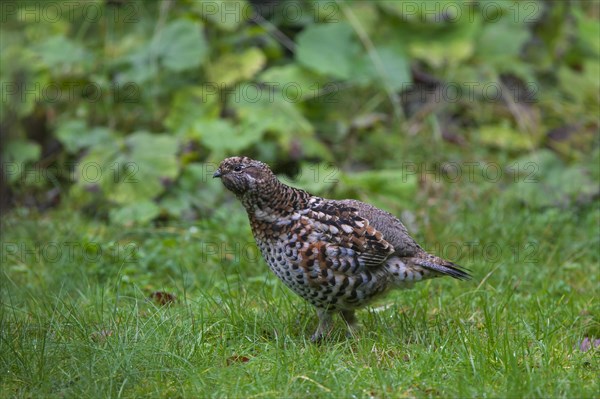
<point>238,168</point>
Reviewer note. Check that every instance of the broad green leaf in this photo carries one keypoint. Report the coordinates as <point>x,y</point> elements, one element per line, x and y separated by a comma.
<point>131,169</point>
<point>500,42</point>
<point>582,86</point>
<point>142,66</point>
<point>15,155</point>
<point>181,45</point>
<point>58,52</point>
<point>222,137</point>
<point>148,159</point>
<point>141,212</point>
<point>263,112</point>
<point>313,148</point>
<point>589,31</point>
<point>75,135</point>
<point>192,104</point>
<point>507,138</point>
<point>232,68</point>
<point>396,68</point>
<point>98,166</point>
<point>226,15</point>
<point>293,82</point>
<point>21,151</point>
<point>387,67</point>
<point>329,49</point>
<point>20,95</point>
<point>451,46</point>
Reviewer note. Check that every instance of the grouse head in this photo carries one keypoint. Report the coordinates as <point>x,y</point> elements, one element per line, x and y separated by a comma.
<point>242,175</point>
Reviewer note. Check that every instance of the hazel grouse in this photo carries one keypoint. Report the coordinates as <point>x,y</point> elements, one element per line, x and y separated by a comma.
<point>336,254</point>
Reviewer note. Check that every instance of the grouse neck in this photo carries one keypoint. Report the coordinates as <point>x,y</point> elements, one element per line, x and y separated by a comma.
<point>275,198</point>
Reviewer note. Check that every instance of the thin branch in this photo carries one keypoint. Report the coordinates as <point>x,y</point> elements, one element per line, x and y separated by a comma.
<point>274,32</point>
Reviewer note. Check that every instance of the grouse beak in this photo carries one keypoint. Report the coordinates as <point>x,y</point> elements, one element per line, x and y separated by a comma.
<point>217,173</point>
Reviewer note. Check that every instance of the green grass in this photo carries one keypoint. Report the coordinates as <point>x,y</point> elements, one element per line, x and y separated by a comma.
<point>80,324</point>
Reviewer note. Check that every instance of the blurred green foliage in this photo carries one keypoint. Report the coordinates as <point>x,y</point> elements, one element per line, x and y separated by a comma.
<point>124,107</point>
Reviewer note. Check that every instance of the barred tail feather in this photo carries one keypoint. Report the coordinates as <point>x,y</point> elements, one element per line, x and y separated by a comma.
<point>444,267</point>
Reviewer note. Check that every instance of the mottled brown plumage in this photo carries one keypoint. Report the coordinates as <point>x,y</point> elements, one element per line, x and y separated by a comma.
<point>338,255</point>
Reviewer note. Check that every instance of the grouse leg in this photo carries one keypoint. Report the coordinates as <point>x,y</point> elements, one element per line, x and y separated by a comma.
<point>325,324</point>
<point>350,319</point>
